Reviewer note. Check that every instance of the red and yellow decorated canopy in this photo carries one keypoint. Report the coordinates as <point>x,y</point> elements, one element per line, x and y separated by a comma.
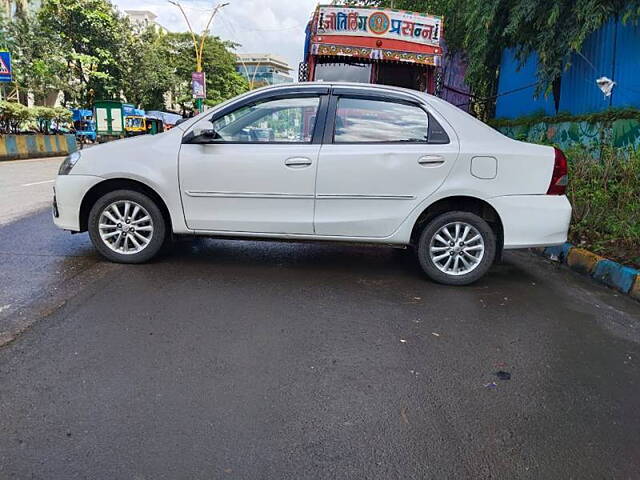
<point>377,34</point>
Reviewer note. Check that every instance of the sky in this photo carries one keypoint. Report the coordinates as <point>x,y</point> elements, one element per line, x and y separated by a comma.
<point>259,26</point>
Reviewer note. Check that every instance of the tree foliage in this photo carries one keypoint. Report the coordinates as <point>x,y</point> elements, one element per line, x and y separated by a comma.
<point>15,117</point>
<point>150,75</point>
<point>94,40</point>
<point>43,117</point>
<point>88,51</point>
<point>12,116</point>
<point>37,64</point>
<point>482,29</point>
<point>218,64</point>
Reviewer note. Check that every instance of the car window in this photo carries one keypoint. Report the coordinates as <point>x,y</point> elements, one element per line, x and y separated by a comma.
<point>374,121</point>
<point>288,120</point>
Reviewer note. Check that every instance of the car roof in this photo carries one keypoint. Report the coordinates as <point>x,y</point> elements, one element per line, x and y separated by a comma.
<point>302,86</point>
<point>350,85</point>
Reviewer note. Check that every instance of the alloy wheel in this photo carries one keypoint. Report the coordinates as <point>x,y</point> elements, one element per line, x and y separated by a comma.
<point>457,248</point>
<point>126,227</point>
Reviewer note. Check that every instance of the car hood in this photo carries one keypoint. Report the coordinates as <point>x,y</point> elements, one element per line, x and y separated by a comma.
<point>134,142</point>
<point>120,157</point>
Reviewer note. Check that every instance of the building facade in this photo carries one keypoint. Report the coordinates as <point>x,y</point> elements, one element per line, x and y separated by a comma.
<point>261,69</point>
<point>144,19</point>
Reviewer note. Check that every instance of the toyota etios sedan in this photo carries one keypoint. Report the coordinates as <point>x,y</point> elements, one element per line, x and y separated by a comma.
<point>317,161</point>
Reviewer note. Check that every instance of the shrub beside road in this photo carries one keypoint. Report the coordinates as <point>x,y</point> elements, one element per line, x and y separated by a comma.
<point>606,204</point>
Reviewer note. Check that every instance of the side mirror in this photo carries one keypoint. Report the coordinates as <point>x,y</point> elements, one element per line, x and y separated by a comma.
<point>201,136</point>
<point>182,120</point>
<point>208,133</point>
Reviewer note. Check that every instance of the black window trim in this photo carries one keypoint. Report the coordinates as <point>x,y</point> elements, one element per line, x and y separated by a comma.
<point>323,93</point>
<point>378,96</point>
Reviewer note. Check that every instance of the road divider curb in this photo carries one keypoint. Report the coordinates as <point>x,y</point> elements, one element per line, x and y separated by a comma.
<point>582,260</point>
<point>635,291</point>
<point>619,277</point>
<point>14,147</point>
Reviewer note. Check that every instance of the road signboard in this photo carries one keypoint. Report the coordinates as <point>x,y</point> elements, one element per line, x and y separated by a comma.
<point>5,67</point>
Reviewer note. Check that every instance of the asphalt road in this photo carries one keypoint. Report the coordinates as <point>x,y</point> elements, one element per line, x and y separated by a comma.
<point>264,360</point>
<point>26,186</point>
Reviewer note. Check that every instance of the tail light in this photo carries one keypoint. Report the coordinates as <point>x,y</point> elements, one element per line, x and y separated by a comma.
<point>560,176</point>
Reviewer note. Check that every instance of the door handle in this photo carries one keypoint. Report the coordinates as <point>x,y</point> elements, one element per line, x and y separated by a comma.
<point>297,162</point>
<point>431,160</point>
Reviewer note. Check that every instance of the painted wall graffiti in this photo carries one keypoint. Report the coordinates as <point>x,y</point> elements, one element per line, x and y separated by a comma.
<point>620,134</point>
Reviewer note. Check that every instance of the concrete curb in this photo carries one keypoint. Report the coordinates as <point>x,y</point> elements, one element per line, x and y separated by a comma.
<point>623,279</point>
<point>16,147</point>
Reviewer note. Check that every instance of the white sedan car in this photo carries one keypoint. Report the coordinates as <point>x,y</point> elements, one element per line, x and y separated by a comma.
<point>317,161</point>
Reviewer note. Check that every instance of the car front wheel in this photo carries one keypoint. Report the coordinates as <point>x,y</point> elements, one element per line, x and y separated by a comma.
<point>126,226</point>
<point>457,248</point>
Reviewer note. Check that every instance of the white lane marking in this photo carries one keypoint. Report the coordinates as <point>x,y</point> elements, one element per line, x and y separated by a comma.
<point>37,183</point>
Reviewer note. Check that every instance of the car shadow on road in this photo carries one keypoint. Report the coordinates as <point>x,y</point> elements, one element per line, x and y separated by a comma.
<point>323,256</point>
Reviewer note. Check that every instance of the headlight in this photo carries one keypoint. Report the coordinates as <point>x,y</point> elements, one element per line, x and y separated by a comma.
<point>68,163</point>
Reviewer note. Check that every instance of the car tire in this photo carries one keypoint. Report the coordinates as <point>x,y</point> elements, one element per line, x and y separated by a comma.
<point>127,234</point>
<point>462,256</point>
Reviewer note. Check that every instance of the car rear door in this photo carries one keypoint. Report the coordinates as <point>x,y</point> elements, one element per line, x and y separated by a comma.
<point>382,156</point>
<point>258,174</point>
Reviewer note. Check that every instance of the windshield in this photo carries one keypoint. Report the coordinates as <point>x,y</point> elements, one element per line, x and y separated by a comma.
<point>133,122</point>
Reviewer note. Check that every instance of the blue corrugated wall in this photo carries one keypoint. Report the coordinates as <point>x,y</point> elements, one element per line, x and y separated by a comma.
<point>579,92</point>
<point>522,101</point>
<point>627,67</point>
<point>612,51</point>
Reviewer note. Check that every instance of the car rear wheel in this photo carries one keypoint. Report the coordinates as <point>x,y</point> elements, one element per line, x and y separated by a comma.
<point>127,226</point>
<point>457,248</point>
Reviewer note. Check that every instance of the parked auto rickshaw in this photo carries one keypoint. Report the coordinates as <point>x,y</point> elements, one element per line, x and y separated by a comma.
<point>154,125</point>
<point>84,126</point>
<point>134,121</point>
<point>166,119</point>
<point>135,125</point>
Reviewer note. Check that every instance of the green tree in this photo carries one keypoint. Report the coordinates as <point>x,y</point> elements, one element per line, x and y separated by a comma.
<point>149,76</point>
<point>62,116</point>
<point>482,29</point>
<point>43,117</point>
<point>94,39</point>
<point>37,63</point>
<point>17,7</point>
<point>218,63</point>
<point>12,116</point>
<point>87,50</point>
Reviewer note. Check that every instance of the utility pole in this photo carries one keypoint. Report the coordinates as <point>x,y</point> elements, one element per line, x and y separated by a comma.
<point>198,47</point>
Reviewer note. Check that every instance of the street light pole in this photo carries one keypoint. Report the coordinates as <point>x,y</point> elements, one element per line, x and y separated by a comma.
<point>198,48</point>
<point>250,78</point>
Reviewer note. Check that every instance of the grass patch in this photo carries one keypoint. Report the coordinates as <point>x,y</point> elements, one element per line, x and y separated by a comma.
<point>605,194</point>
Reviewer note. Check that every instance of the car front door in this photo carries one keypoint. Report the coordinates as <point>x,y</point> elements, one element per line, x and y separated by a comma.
<point>253,169</point>
<point>381,158</point>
